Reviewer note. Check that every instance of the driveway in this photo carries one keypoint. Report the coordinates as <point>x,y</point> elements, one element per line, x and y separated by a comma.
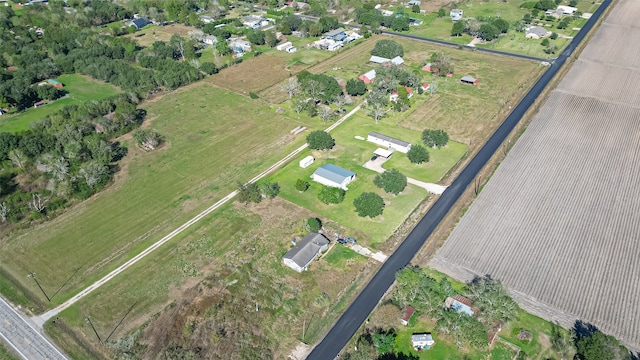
<point>376,165</point>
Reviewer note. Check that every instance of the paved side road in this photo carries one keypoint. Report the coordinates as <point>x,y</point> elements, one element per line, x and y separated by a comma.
<point>23,338</point>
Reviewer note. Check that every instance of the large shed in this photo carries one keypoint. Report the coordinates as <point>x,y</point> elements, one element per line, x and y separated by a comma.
<point>469,80</point>
<point>303,253</point>
<point>333,176</point>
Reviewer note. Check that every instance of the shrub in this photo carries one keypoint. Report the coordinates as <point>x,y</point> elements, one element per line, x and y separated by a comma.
<point>209,68</point>
<point>554,36</point>
<point>253,95</point>
<point>249,193</point>
<point>302,185</point>
<point>270,189</point>
<point>331,195</point>
<point>320,140</point>
<point>314,224</point>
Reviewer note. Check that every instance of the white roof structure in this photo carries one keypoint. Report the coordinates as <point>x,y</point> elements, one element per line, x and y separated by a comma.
<point>371,74</point>
<point>397,61</point>
<point>379,59</point>
<point>567,10</point>
<point>383,152</point>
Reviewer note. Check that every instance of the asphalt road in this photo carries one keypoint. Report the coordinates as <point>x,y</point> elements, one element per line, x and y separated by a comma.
<point>22,336</point>
<point>359,310</point>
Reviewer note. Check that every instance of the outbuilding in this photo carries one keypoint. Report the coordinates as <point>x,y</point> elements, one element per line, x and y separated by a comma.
<point>379,60</point>
<point>389,142</point>
<point>397,61</point>
<point>456,14</point>
<point>303,253</point>
<point>139,23</point>
<point>425,87</point>
<point>383,153</point>
<point>460,304</point>
<point>284,46</point>
<point>368,77</point>
<point>469,80</point>
<point>307,161</point>
<point>337,34</point>
<point>333,176</point>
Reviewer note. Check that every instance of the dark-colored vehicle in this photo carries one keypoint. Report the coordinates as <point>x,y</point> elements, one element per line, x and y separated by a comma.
<point>342,241</point>
<point>374,157</point>
<point>351,240</point>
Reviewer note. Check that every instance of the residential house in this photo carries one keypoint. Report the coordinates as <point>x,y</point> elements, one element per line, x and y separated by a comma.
<point>252,21</point>
<point>338,34</point>
<point>567,10</point>
<point>460,304</point>
<point>469,80</point>
<point>333,176</point>
<point>424,87</point>
<point>140,22</point>
<point>456,15</point>
<point>239,45</point>
<point>422,341</point>
<point>209,40</point>
<point>389,142</point>
<point>368,77</point>
<point>303,253</point>
<point>395,97</point>
<point>306,161</point>
<point>408,313</point>
<point>283,46</point>
<point>536,32</point>
<point>379,60</point>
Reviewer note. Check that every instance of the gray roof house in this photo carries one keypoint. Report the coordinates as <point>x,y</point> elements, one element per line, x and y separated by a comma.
<point>139,23</point>
<point>333,176</point>
<point>389,142</point>
<point>536,32</point>
<point>337,34</point>
<point>303,253</point>
<point>422,341</point>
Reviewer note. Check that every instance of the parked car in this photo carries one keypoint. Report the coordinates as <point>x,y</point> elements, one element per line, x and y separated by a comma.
<point>342,241</point>
<point>374,157</point>
<point>351,240</point>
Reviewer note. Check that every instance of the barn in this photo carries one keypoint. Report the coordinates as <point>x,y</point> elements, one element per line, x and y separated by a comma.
<point>389,142</point>
<point>333,176</point>
<point>303,253</point>
<point>368,77</point>
<point>469,80</point>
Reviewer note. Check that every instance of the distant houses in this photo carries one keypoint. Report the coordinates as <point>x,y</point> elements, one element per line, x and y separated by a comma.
<point>333,176</point>
<point>395,97</point>
<point>303,253</point>
<point>389,142</point>
<point>460,304</point>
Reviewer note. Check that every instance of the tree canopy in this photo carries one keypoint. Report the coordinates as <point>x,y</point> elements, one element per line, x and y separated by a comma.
<point>391,181</point>
<point>331,195</point>
<point>320,140</point>
<point>387,49</point>
<point>369,204</point>
<point>356,87</point>
<point>418,154</point>
<point>435,138</point>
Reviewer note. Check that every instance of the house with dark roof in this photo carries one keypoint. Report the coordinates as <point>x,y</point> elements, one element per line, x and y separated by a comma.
<point>303,253</point>
<point>139,23</point>
<point>389,142</point>
<point>338,34</point>
<point>460,304</point>
<point>408,313</point>
<point>333,176</point>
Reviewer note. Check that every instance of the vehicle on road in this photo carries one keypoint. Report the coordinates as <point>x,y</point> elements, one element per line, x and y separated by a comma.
<point>374,157</point>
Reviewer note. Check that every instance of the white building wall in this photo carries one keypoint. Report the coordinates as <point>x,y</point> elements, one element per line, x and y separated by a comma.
<point>290,263</point>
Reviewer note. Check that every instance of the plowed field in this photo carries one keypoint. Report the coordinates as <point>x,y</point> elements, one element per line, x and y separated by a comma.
<point>558,222</point>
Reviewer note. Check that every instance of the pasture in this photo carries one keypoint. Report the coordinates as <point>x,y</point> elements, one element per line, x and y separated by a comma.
<point>211,146</point>
<point>237,252</point>
<point>80,89</point>
<point>152,33</point>
<point>559,216</point>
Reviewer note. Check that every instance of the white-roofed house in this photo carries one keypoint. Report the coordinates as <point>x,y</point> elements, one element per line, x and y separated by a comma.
<point>422,341</point>
<point>389,142</point>
<point>303,253</point>
<point>333,176</point>
<point>397,61</point>
<point>379,60</point>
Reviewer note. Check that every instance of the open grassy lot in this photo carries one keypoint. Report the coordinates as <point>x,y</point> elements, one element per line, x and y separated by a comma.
<point>225,266</point>
<point>5,354</point>
<point>149,34</point>
<point>441,161</point>
<point>215,139</point>
<point>80,88</point>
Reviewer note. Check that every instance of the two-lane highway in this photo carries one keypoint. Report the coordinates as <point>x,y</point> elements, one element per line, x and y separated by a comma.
<point>22,336</point>
<point>366,301</point>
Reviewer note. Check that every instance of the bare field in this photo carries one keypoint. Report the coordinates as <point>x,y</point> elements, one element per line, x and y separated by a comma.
<point>255,74</point>
<point>558,221</point>
<point>150,34</point>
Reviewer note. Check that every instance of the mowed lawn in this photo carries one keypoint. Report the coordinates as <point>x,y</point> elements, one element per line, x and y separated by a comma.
<point>351,153</point>
<point>240,247</point>
<point>215,139</point>
<point>80,88</point>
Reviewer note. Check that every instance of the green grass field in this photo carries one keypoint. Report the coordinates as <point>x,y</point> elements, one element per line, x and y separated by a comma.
<point>212,144</point>
<point>80,88</point>
<point>5,354</point>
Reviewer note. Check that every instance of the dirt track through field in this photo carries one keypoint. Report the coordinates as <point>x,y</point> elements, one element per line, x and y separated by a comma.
<point>558,222</point>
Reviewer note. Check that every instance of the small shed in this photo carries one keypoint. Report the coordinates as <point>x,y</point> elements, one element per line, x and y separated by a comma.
<point>378,60</point>
<point>427,67</point>
<point>422,341</point>
<point>469,80</point>
<point>425,87</point>
<point>304,163</point>
<point>408,313</point>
